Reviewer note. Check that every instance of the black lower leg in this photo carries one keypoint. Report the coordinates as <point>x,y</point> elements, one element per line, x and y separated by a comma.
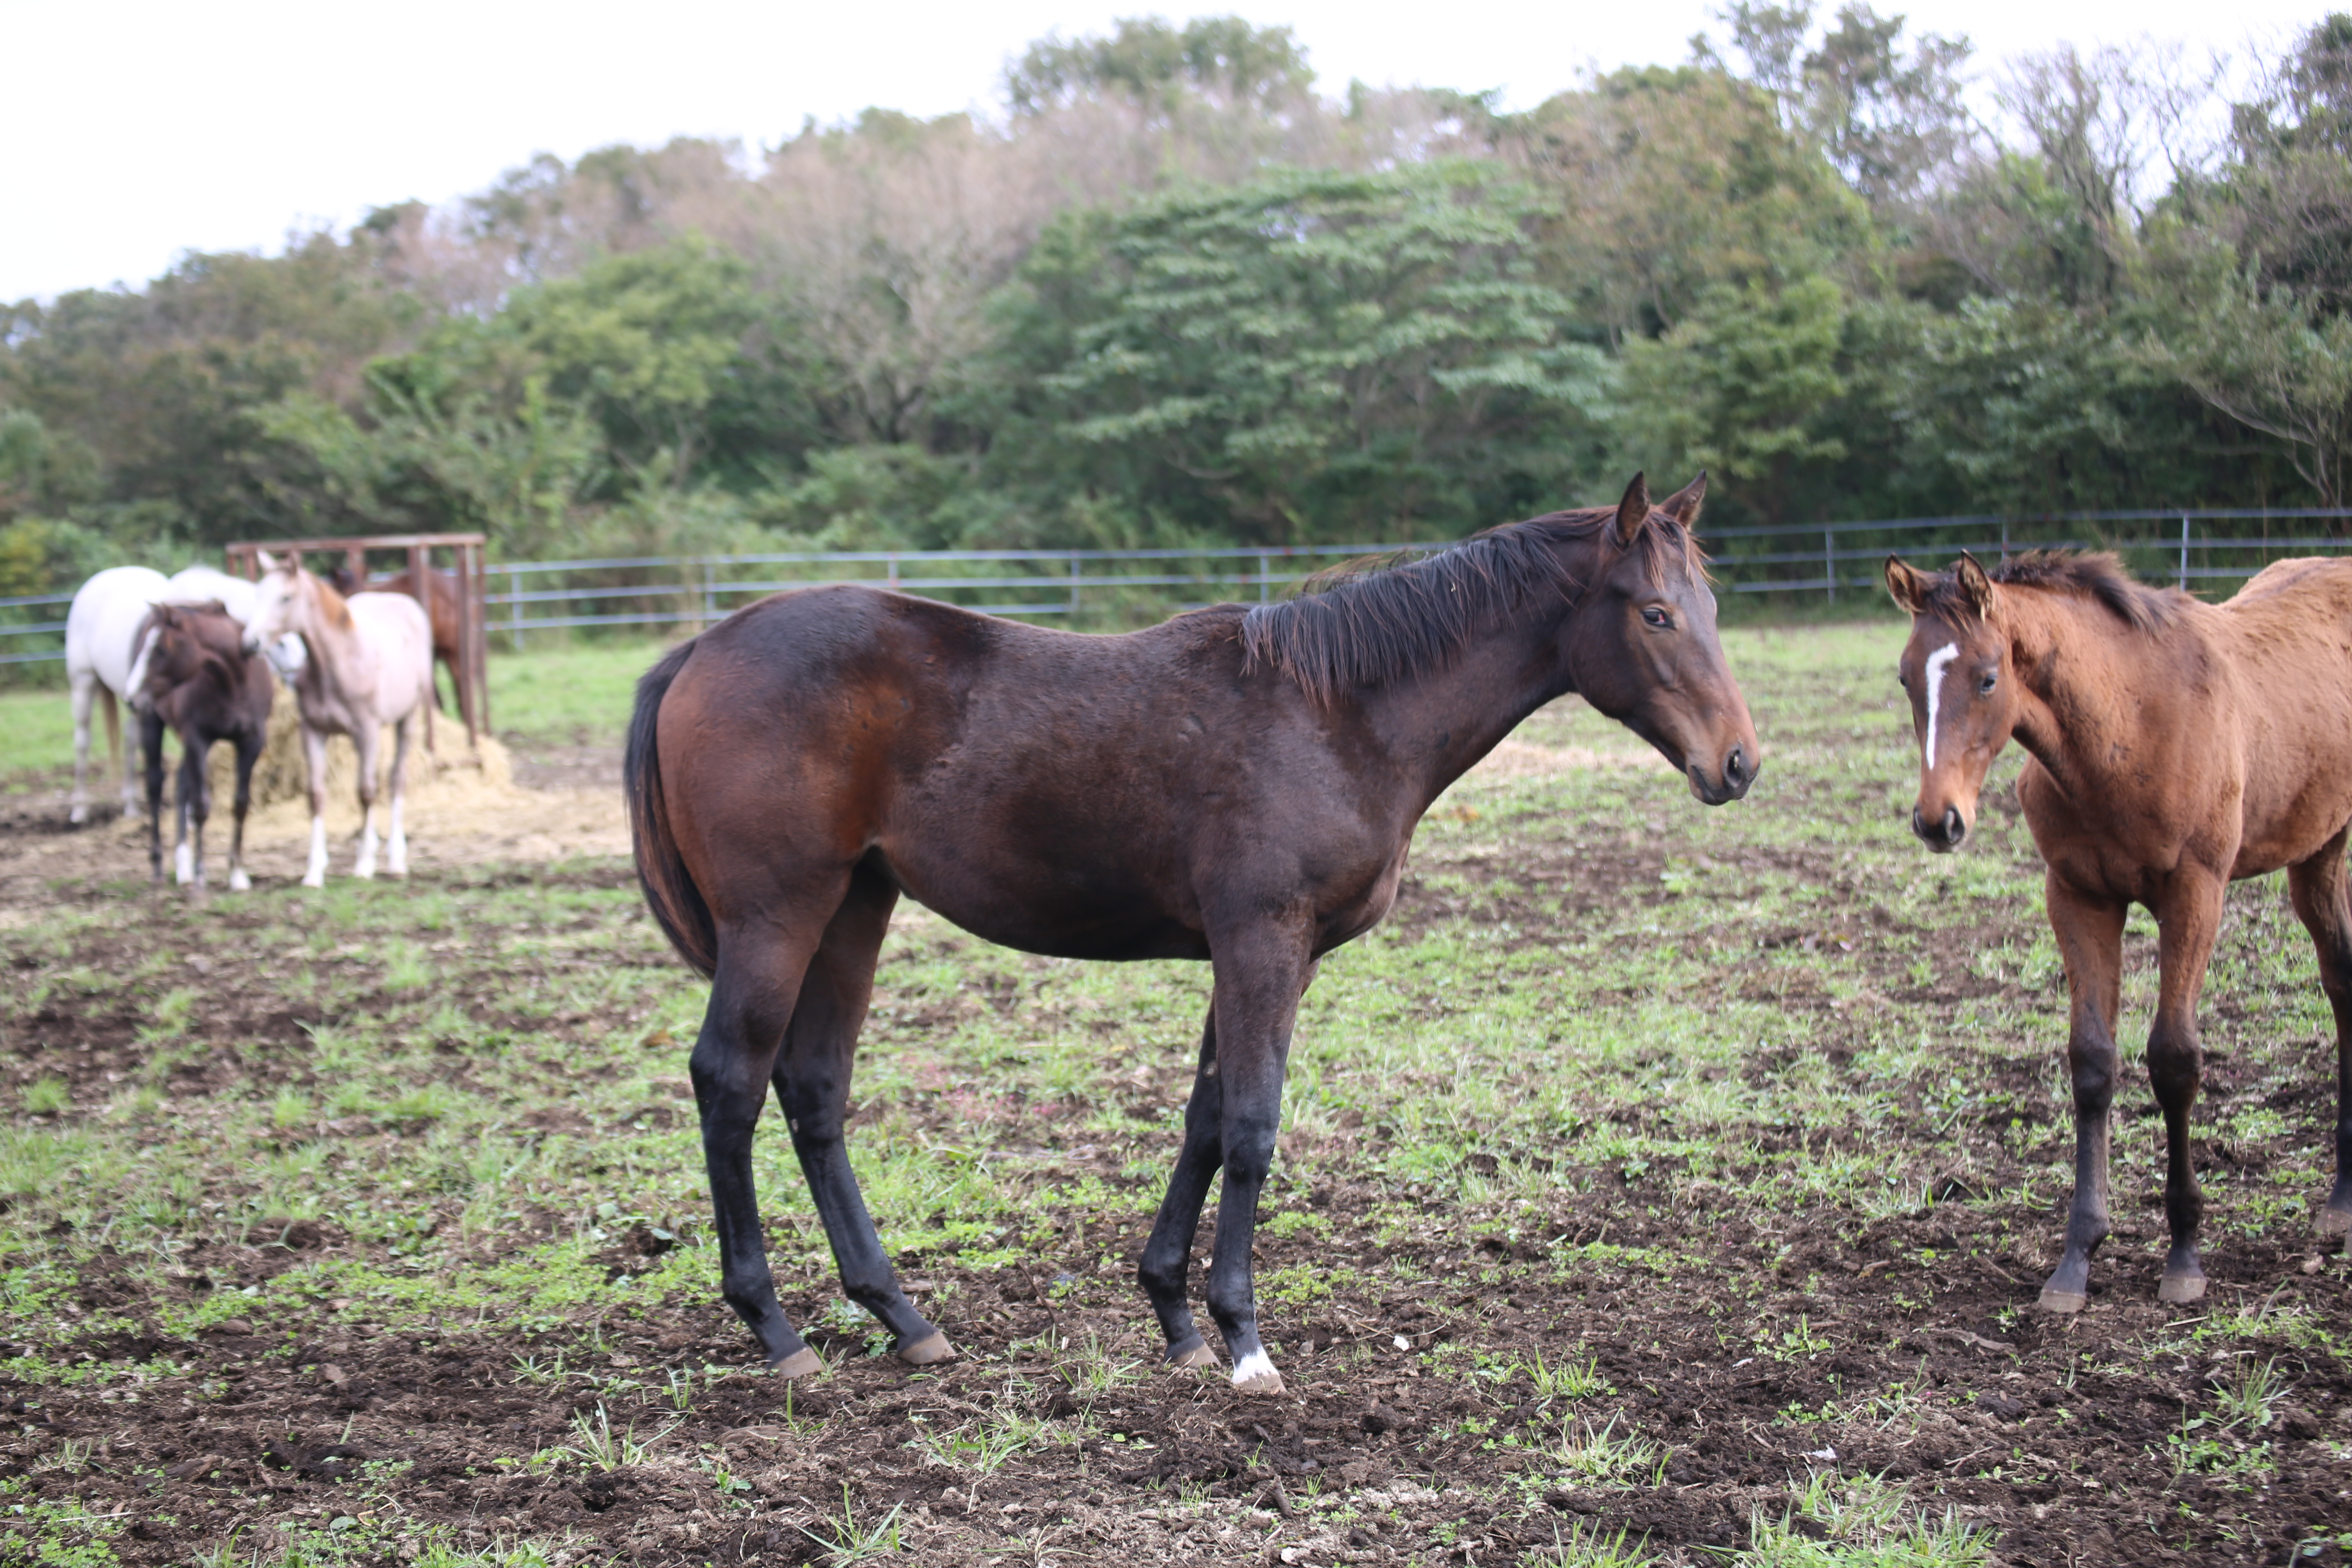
<point>2173,1065</point>
<point>867,1277</point>
<point>1165,1272</point>
<point>730,1116</point>
<point>2091,1058</point>
<point>151,747</point>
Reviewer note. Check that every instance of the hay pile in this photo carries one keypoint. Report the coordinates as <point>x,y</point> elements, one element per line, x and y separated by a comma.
<point>465,802</point>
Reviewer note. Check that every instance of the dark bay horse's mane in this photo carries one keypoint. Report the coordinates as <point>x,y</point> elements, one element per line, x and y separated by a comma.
<point>1369,621</point>
<point>2096,574</point>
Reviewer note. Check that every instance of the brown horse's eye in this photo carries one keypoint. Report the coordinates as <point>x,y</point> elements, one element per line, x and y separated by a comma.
<point>1657,617</point>
<point>1985,686</point>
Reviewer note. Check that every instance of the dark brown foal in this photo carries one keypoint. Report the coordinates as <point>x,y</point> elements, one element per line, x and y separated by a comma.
<point>2177,747</point>
<point>200,681</point>
<point>1234,785</point>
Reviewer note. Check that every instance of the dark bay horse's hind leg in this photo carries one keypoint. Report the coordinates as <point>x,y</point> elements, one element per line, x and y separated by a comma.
<point>751,1000</point>
<point>196,808</point>
<point>2090,937</point>
<point>2186,925</point>
<point>2322,902</point>
<point>812,1077</point>
<point>1166,1270</point>
<point>248,751</point>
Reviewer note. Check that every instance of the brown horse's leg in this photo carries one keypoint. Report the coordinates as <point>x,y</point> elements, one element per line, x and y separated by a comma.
<point>812,1077</point>
<point>196,808</point>
<point>1260,974</point>
<point>752,1001</point>
<point>2325,903</point>
<point>1166,1270</point>
<point>2090,937</point>
<point>248,751</point>
<point>151,747</point>
<point>2187,924</point>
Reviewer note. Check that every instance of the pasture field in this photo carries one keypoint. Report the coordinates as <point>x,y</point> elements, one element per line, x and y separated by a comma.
<point>1657,1185</point>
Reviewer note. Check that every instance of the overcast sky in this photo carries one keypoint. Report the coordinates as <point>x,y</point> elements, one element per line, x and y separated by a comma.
<point>130,132</point>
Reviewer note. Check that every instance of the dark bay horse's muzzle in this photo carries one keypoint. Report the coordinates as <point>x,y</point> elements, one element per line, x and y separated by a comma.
<point>1739,770</point>
<point>1945,833</point>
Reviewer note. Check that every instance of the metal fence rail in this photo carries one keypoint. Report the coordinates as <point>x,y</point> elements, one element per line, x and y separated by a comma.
<point>1110,588</point>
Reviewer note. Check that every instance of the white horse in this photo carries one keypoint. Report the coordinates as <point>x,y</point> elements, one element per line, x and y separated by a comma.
<point>370,664</point>
<point>100,631</point>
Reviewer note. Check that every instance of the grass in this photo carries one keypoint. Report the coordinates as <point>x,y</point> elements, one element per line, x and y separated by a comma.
<point>1647,1153</point>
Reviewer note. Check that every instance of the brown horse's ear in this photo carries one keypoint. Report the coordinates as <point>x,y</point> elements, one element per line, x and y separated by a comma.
<point>1683,504</point>
<point>1908,585</point>
<point>1632,514</point>
<point>1976,585</point>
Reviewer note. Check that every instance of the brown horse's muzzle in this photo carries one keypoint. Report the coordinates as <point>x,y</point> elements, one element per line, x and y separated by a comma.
<point>1942,833</point>
<point>1731,776</point>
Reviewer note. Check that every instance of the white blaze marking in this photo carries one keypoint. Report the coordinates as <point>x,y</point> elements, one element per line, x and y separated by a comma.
<point>1256,1364</point>
<point>1938,663</point>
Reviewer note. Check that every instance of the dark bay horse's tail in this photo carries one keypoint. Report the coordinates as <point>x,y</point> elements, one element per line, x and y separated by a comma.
<point>670,891</point>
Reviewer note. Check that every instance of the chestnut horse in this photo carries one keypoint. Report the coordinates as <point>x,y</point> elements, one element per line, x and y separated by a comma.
<point>1234,785</point>
<point>2177,747</point>
<point>198,679</point>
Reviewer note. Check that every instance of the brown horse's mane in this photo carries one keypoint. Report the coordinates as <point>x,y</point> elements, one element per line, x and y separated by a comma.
<point>217,638</point>
<point>2096,575</point>
<point>1370,621</point>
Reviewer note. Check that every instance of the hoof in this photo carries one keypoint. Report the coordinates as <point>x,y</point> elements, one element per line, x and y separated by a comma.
<point>1254,1374</point>
<point>929,1351</point>
<point>1191,1357</point>
<point>238,882</point>
<point>2180,1289</point>
<point>2333,1220</point>
<point>2066,1303</point>
<point>802,1362</point>
<point>318,881</point>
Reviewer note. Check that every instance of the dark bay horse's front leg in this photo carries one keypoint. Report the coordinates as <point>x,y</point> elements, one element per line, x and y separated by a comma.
<point>752,1001</point>
<point>2325,903</point>
<point>196,808</point>
<point>2090,933</point>
<point>1167,1267</point>
<point>150,748</point>
<point>2187,925</point>
<point>1261,971</point>
<point>248,751</point>
<point>812,1077</point>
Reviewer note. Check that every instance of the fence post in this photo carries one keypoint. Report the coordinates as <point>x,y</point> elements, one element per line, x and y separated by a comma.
<point>1074,587</point>
<point>1829,567</point>
<point>514,591</point>
<point>1265,570</point>
<point>2184,551</point>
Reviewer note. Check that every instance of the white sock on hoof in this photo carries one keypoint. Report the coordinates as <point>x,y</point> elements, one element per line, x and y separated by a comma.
<point>396,848</point>
<point>183,864</point>
<point>238,882</point>
<point>314,875</point>
<point>1252,1367</point>
<point>366,866</point>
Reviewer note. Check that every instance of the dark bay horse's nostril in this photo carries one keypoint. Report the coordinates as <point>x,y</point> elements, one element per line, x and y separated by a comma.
<point>1735,771</point>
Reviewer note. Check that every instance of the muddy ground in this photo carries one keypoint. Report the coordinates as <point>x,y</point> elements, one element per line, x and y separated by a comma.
<point>1418,1425</point>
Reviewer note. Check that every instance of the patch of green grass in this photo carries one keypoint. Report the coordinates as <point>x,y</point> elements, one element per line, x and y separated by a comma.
<point>565,692</point>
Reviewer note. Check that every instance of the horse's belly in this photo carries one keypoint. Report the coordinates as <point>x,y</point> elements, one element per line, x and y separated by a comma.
<point>1048,911</point>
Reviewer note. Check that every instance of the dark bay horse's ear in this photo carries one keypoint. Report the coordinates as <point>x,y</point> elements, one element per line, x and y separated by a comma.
<point>1683,504</point>
<point>1632,514</point>
<point>1908,586</point>
<point>1975,585</point>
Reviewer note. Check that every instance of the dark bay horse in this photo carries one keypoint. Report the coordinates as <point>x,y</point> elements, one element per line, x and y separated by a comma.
<point>1234,785</point>
<point>201,682</point>
<point>2177,747</point>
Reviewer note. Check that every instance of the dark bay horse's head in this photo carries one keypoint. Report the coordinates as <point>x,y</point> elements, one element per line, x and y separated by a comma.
<point>1643,650</point>
<point>1963,692</point>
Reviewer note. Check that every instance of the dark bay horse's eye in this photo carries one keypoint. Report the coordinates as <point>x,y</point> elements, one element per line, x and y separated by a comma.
<point>1657,617</point>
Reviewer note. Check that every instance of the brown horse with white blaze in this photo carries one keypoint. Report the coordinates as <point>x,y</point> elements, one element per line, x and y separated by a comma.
<point>2176,747</point>
<point>1234,785</point>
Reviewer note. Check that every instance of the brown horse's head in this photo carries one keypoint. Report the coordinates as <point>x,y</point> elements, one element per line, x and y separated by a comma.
<point>1645,651</point>
<point>1963,692</point>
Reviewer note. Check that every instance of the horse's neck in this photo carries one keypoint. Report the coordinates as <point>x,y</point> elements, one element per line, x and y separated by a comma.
<point>342,664</point>
<point>1437,725</point>
<point>2081,684</point>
